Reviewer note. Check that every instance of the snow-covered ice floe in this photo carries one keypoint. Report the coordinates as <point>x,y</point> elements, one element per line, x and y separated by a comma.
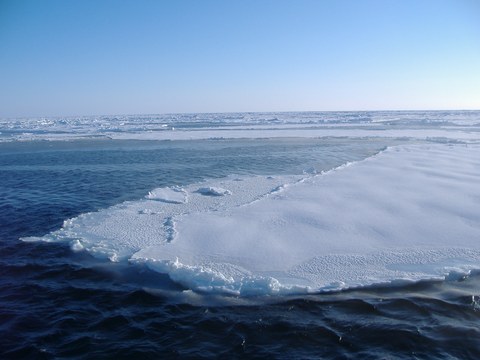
<point>411,212</point>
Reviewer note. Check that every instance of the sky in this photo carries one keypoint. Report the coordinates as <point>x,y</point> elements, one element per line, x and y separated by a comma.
<point>100,57</point>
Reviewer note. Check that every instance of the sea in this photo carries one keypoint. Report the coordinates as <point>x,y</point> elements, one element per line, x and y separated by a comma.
<point>59,300</point>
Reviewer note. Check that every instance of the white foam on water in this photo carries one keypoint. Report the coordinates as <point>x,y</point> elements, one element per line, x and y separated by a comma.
<point>409,213</point>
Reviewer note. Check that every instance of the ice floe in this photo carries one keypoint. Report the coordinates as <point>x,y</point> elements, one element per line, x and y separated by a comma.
<point>411,212</point>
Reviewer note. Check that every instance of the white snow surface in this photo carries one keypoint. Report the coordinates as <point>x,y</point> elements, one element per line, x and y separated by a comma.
<point>172,195</point>
<point>411,212</point>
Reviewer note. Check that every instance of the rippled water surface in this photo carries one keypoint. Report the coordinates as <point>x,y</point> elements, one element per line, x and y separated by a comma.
<point>55,303</point>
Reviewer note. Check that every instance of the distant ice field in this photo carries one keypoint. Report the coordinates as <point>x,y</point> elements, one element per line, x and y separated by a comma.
<point>405,212</point>
<point>450,125</point>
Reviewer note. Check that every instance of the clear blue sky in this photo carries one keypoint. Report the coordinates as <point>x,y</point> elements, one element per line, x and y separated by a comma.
<point>114,57</point>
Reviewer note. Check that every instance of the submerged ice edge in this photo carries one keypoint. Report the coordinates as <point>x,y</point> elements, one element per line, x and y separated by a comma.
<point>203,279</point>
<point>206,280</point>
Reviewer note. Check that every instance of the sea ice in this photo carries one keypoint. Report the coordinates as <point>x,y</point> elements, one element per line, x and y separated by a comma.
<point>451,125</point>
<point>172,195</point>
<point>411,212</point>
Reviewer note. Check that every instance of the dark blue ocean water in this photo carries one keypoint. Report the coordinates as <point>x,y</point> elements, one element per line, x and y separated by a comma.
<point>55,303</point>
